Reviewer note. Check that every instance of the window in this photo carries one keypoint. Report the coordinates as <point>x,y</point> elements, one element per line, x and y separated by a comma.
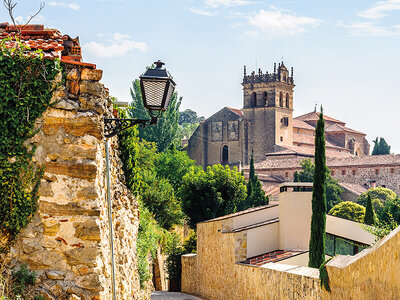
<point>336,245</point>
<point>225,154</point>
<point>392,170</point>
<point>376,171</point>
<point>286,174</point>
<point>354,172</point>
<point>265,99</point>
<point>281,138</point>
<point>253,99</point>
<point>287,100</point>
<point>285,121</point>
<point>333,173</point>
<point>281,99</point>
<point>343,172</point>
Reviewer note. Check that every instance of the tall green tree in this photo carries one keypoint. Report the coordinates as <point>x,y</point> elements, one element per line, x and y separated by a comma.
<point>255,194</point>
<point>369,218</point>
<point>165,132</point>
<point>318,219</point>
<point>349,210</point>
<point>189,116</point>
<point>381,147</point>
<point>213,193</point>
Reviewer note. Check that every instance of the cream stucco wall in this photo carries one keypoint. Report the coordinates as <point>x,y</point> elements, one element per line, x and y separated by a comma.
<point>260,215</point>
<point>262,239</point>
<point>349,230</point>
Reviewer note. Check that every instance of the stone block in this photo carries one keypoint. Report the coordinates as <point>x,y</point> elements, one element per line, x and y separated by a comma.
<point>56,290</point>
<point>92,74</point>
<point>51,227</point>
<point>70,209</point>
<point>88,230</point>
<point>91,103</point>
<point>45,189</point>
<point>87,193</point>
<point>55,275</point>
<point>74,297</point>
<point>73,75</point>
<point>73,87</point>
<point>76,170</point>
<point>79,126</point>
<point>92,88</point>
<point>82,256</point>
<point>89,282</point>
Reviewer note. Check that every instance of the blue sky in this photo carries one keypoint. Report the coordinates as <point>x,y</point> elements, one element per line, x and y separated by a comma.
<point>345,54</point>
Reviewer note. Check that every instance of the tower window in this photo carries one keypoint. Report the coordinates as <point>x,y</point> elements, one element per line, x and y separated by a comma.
<point>281,138</point>
<point>343,172</point>
<point>225,154</point>
<point>285,121</point>
<point>281,99</point>
<point>287,100</point>
<point>265,99</point>
<point>253,99</point>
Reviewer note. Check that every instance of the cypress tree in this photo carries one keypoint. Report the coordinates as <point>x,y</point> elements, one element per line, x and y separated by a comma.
<point>318,219</point>
<point>296,177</point>
<point>369,217</point>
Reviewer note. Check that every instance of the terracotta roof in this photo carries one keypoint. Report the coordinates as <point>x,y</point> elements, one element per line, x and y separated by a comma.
<point>364,161</point>
<point>356,189</point>
<point>310,140</point>
<point>314,116</point>
<point>51,41</point>
<point>302,125</point>
<point>235,110</point>
<point>339,128</point>
<point>271,257</point>
<point>307,151</point>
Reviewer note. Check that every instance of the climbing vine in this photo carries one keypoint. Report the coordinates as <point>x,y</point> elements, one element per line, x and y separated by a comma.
<point>27,82</point>
<point>323,275</point>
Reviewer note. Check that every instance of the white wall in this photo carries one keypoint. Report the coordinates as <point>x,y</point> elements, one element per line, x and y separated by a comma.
<point>348,229</point>
<point>255,217</point>
<point>294,220</point>
<point>262,239</point>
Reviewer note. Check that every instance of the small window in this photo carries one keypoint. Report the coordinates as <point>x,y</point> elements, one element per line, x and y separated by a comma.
<point>333,173</point>
<point>285,121</point>
<point>265,98</point>
<point>253,99</point>
<point>392,170</point>
<point>281,138</point>
<point>343,172</point>
<point>287,100</point>
<point>354,172</point>
<point>281,99</point>
<point>225,154</point>
<point>376,171</point>
<point>286,174</point>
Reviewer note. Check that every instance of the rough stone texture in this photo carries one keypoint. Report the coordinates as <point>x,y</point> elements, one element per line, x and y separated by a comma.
<point>214,273</point>
<point>371,274</point>
<point>67,243</point>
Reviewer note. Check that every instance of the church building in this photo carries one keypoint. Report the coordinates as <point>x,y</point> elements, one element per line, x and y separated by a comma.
<point>265,127</point>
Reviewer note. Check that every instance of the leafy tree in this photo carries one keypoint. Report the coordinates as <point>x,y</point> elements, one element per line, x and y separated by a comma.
<point>333,189</point>
<point>189,116</point>
<point>173,165</point>
<point>318,218</point>
<point>349,210</point>
<point>214,193</point>
<point>369,217</point>
<point>165,132</point>
<point>255,194</point>
<point>380,197</point>
<point>380,147</point>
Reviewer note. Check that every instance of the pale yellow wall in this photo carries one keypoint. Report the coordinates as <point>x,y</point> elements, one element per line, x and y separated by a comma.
<point>294,220</point>
<point>255,217</point>
<point>348,229</point>
<point>262,239</point>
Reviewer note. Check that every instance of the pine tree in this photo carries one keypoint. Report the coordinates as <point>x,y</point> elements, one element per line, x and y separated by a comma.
<point>255,193</point>
<point>318,219</point>
<point>381,147</point>
<point>369,217</point>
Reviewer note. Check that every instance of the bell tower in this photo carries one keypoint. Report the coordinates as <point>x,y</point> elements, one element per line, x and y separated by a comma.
<point>268,111</point>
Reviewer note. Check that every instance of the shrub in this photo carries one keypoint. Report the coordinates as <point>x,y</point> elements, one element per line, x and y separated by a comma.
<point>349,210</point>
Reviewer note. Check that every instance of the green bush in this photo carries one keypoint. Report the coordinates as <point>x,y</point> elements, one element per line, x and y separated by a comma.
<point>349,210</point>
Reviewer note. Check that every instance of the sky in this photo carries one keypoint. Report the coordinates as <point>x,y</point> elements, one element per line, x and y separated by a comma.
<point>345,54</point>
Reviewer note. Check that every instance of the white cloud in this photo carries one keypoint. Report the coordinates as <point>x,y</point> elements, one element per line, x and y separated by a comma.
<point>217,3</point>
<point>22,20</point>
<point>370,29</point>
<point>201,12</point>
<point>119,45</point>
<point>276,22</point>
<point>379,9</point>
<point>66,5</point>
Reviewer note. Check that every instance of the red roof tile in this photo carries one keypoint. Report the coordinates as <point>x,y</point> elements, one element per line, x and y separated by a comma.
<point>314,116</point>
<point>302,125</point>
<point>235,110</point>
<point>271,257</point>
<point>309,140</point>
<point>339,128</point>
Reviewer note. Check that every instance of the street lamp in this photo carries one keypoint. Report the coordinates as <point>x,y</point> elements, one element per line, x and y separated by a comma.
<point>157,88</point>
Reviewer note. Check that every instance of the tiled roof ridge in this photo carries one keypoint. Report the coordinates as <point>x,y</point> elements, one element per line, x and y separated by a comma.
<point>342,128</point>
<point>316,116</point>
<point>235,110</point>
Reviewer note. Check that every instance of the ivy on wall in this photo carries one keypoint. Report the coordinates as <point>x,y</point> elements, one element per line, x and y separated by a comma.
<point>27,82</point>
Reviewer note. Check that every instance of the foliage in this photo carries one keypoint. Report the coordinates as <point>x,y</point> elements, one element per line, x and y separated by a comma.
<point>189,116</point>
<point>349,210</point>
<point>158,196</point>
<point>216,192</point>
<point>165,132</point>
<point>173,165</point>
<point>369,217</point>
<point>381,229</point>
<point>26,88</point>
<point>173,262</point>
<point>318,218</point>
<point>323,275</point>
<point>255,194</point>
<point>333,189</point>
<point>381,147</point>
<point>190,245</point>
<point>186,130</point>
<point>381,193</point>
<point>22,278</point>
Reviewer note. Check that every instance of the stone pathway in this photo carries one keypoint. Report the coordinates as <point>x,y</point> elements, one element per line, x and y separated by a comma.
<point>172,296</point>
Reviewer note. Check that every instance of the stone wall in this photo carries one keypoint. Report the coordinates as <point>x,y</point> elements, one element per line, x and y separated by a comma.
<point>214,273</point>
<point>67,243</point>
<point>371,274</point>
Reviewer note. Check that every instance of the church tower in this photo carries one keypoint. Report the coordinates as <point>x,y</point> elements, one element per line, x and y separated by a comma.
<point>268,111</point>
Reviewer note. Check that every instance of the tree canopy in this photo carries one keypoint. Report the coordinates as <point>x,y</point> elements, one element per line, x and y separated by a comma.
<point>213,193</point>
<point>369,217</point>
<point>349,210</point>
<point>189,116</point>
<point>381,147</point>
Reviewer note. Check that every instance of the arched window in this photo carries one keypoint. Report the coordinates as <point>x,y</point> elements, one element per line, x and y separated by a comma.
<point>265,99</point>
<point>253,99</point>
<point>281,99</point>
<point>225,154</point>
<point>287,100</point>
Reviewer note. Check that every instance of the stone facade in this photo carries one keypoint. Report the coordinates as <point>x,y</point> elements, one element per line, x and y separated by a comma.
<point>67,243</point>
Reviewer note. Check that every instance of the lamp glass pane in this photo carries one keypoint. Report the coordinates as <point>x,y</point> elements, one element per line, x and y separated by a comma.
<point>169,94</point>
<point>154,91</point>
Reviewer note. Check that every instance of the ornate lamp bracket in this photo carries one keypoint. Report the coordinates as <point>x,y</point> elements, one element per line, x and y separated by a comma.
<point>115,126</point>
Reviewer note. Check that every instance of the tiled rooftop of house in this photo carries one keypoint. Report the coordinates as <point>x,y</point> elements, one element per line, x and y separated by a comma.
<point>302,125</point>
<point>314,116</point>
<point>236,111</point>
<point>306,151</point>
<point>50,41</point>
<point>271,257</point>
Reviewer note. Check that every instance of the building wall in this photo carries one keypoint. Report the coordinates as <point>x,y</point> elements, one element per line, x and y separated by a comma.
<point>67,242</point>
<point>262,239</point>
